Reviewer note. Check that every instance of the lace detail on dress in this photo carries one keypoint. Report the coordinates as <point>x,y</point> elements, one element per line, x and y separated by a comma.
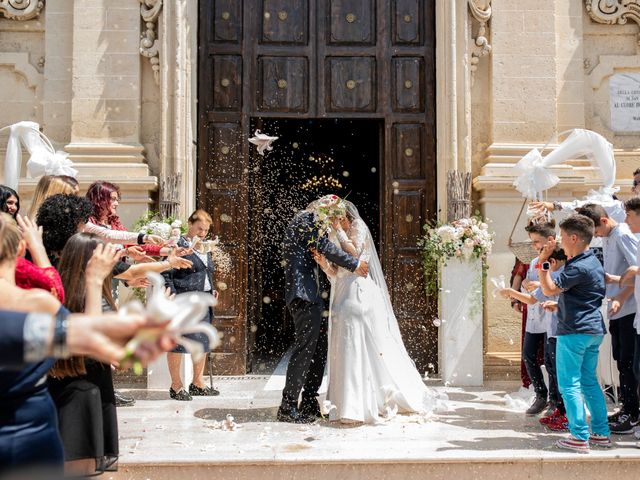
<point>30,276</point>
<point>358,233</point>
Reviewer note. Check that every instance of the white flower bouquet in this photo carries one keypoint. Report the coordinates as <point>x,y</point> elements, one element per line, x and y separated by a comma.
<point>464,239</point>
<point>152,223</point>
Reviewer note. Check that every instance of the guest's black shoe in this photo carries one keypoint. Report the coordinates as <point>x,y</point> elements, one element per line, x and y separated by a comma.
<point>202,392</point>
<point>538,405</point>
<point>181,395</point>
<point>310,407</point>
<point>293,415</point>
<point>123,400</point>
<point>625,424</point>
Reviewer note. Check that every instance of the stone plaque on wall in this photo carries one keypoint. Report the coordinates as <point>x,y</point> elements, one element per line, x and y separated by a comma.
<point>624,90</point>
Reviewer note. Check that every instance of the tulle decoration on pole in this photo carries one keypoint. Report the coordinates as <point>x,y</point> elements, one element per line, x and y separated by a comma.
<point>535,175</point>
<point>44,159</point>
<point>184,313</point>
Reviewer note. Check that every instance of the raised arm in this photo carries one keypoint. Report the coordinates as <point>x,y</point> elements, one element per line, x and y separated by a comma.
<point>121,236</point>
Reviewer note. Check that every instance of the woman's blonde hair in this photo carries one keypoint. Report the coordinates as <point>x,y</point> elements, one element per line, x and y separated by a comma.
<point>200,215</point>
<point>47,186</point>
<point>9,238</point>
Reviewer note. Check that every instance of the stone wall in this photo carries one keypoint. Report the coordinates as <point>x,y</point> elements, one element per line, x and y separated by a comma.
<point>22,61</point>
<point>81,79</point>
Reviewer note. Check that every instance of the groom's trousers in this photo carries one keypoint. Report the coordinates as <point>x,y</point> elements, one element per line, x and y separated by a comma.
<point>309,356</point>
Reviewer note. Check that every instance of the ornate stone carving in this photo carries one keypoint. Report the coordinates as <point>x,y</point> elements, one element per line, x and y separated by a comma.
<point>481,11</point>
<point>150,11</point>
<point>21,9</point>
<point>613,11</point>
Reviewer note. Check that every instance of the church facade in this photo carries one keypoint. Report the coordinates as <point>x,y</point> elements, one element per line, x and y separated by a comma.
<point>160,97</point>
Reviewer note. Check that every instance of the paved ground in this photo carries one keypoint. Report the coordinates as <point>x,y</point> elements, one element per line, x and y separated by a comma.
<point>477,427</point>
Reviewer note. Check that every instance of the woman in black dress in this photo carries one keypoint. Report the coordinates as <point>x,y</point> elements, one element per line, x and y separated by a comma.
<point>198,278</point>
<point>82,388</point>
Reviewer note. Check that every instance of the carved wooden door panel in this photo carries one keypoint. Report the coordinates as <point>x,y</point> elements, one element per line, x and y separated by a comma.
<point>410,168</point>
<point>222,176</point>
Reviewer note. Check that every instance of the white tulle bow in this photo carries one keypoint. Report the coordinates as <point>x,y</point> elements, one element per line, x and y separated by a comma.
<point>262,141</point>
<point>534,172</point>
<point>44,160</point>
<point>184,313</point>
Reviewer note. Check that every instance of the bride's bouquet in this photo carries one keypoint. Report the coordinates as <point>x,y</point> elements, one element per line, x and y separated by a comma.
<point>324,210</point>
<point>463,239</point>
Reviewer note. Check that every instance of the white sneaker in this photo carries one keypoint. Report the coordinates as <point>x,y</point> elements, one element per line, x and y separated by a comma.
<point>636,432</point>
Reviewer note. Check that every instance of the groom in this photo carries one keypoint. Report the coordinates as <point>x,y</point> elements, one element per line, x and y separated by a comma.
<point>305,302</point>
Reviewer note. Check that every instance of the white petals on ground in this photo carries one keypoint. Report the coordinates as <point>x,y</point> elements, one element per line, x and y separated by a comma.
<point>262,141</point>
<point>227,425</point>
<point>520,400</point>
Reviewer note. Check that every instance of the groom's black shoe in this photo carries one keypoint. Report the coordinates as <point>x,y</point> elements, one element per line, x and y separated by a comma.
<point>293,415</point>
<point>310,407</point>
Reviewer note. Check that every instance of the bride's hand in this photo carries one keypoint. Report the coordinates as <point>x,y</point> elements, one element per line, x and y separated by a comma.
<point>318,257</point>
<point>335,224</point>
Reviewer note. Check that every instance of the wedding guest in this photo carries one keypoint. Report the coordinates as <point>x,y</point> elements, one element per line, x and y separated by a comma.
<point>636,181</point>
<point>61,217</point>
<point>82,389</point>
<point>47,186</point>
<point>25,404</point>
<point>556,419</point>
<point>37,272</point>
<point>534,338</point>
<point>581,289</point>
<point>30,338</point>
<point>630,277</point>
<point>9,201</point>
<point>105,198</point>
<point>518,274</point>
<point>620,249</point>
<point>198,278</point>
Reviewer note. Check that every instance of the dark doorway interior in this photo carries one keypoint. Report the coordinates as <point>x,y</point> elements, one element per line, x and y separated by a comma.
<point>311,158</point>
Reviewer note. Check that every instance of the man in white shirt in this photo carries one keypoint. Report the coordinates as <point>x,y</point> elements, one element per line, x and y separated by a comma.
<point>620,249</point>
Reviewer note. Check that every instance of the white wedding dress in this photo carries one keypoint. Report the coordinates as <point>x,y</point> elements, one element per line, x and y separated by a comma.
<point>371,376</point>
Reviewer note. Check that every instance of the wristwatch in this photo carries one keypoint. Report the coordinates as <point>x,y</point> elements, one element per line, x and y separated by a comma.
<point>546,266</point>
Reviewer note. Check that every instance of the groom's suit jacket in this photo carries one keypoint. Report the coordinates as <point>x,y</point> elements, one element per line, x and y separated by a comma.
<point>301,270</point>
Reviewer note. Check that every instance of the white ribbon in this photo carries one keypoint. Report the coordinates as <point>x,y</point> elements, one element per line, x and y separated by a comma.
<point>534,171</point>
<point>184,312</point>
<point>44,160</point>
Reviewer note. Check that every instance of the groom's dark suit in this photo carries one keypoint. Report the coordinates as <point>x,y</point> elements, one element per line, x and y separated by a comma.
<point>305,302</point>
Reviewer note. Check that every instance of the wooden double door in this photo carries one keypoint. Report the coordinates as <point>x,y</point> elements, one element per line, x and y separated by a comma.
<point>306,59</point>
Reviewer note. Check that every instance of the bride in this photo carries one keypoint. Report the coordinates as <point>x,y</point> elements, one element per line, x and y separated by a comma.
<point>371,376</point>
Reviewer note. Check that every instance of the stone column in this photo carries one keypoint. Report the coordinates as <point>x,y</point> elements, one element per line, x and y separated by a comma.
<point>179,92</point>
<point>105,102</point>
<point>453,93</point>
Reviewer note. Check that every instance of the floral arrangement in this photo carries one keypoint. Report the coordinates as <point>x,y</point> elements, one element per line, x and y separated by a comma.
<point>464,239</point>
<point>152,223</point>
<point>325,209</point>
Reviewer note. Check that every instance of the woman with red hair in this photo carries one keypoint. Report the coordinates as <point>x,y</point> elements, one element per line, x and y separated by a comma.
<point>104,198</point>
